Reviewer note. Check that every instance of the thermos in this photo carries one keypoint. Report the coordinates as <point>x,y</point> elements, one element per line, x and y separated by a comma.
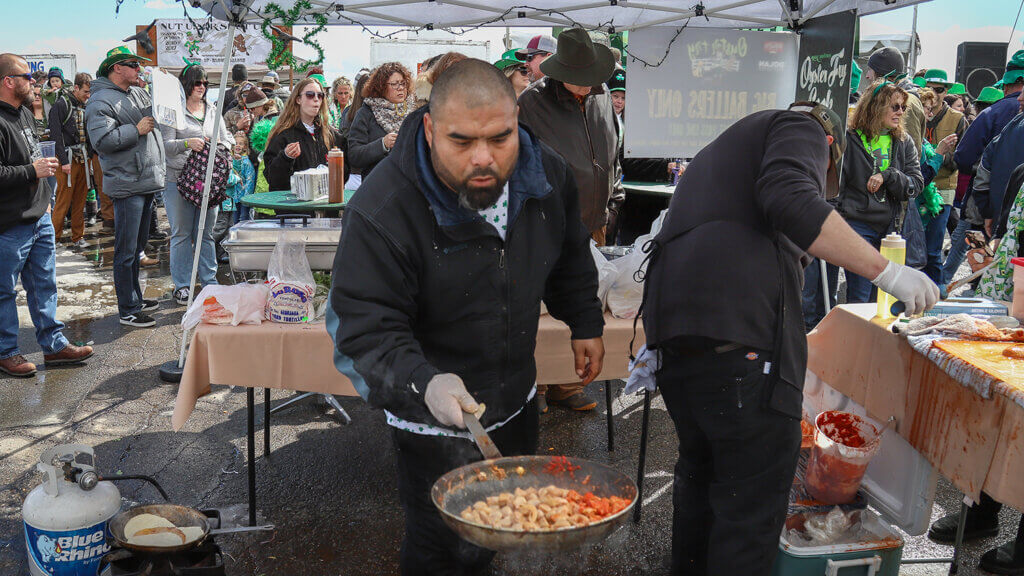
<point>335,176</point>
<point>894,248</point>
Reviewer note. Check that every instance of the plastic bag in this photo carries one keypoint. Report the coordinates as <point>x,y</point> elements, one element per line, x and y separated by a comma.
<point>606,273</point>
<point>627,289</point>
<point>290,282</point>
<point>234,305</point>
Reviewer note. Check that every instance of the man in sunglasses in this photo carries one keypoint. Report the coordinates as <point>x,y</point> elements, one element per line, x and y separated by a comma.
<point>537,50</point>
<point>120,125</point>
<point>26,234</point>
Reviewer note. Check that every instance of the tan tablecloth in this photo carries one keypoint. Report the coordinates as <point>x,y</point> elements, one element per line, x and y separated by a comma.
<point>300,357</point>
<point>976,442</point>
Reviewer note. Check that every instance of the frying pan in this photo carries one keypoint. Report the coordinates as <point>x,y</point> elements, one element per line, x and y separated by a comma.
<point>464,486</point>
<point>181,517</point>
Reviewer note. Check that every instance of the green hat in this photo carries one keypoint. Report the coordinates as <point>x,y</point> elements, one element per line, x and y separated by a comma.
<point>1014,69</point>
<point>509,58</point>
<point>855,73</point>
<point>617,83</point>
<point>957,88</point>
<point>115,55</point>
<point>990,94</point>
<point>919,81</point>
<point>320,78</point>
<point>937,76</point>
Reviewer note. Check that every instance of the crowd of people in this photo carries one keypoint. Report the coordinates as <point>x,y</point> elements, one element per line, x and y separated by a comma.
<point>490,179</point>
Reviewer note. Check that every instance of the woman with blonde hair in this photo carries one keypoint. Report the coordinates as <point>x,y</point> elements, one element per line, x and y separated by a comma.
<point>881,171</point>
<point>302,136</point>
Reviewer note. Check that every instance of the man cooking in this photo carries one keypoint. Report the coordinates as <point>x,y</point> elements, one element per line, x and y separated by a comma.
<point>732,352</point>
<point>445,256</point>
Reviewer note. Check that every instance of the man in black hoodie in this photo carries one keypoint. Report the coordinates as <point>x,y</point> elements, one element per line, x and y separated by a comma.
<point>446,253</point>
<point>26,234</point>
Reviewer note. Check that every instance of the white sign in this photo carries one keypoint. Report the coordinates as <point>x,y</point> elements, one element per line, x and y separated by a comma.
<point>178,39</point>
<point>66,62</point>
<point>168,100</point>
<point>710,79</point>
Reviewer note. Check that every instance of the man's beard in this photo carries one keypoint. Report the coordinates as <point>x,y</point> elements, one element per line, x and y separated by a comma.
<point>28,96</point>
<point>474,198</point>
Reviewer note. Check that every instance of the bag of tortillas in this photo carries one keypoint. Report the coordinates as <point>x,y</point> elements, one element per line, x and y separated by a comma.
<point>290,281</point>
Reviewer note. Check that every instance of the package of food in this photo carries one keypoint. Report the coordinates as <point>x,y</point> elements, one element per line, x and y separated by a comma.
<point>290,282</point>
<point>234,305</point>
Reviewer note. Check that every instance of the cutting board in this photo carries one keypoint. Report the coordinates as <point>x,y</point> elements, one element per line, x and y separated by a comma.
<point>988,357</point>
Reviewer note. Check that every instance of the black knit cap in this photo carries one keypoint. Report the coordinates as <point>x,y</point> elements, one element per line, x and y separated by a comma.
<point>887,63</point>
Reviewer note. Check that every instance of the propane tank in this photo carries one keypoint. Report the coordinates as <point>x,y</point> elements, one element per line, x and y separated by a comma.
<point>66,516</point>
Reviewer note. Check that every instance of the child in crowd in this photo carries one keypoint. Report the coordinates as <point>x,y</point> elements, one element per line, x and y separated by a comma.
<point>241,181</point>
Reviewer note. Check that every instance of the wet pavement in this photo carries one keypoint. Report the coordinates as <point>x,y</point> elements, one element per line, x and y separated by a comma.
<point>329,488</point>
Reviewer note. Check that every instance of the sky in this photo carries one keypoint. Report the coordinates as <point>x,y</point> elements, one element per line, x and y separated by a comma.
<point>88,28</point>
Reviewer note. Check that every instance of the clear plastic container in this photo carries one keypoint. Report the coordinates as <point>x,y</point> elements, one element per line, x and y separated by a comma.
<point>844,444</point>
<point>894,248</point>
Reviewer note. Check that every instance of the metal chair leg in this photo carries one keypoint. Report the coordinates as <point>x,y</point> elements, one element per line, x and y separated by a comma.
<point>266,422</point>
<point>333,402</point>
<point>643,457</point>
<point>954,566</point>
<point>292,400</point>
<point>611,419</point>
<point>250,421</point>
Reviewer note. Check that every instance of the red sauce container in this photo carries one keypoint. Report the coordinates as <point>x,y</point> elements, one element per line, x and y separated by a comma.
<point>335,176</point>
<point>844,444</point>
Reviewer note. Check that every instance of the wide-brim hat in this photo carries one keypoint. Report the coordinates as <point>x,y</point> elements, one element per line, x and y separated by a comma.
<point>1014,69</point>
<point>957,88</point>
<point>937,76</point>
<point>832,124</point>
<point>990,95</point>
<point>578,60</point>
<point>918,81</point>
<point>115,55</point>
<point>270,79</point>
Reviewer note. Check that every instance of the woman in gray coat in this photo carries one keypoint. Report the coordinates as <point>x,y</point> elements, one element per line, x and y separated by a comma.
<point>182,214</point>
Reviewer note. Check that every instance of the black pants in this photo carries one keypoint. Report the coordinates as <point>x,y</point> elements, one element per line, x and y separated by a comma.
<point>736,462</point>
<point>430,548</point>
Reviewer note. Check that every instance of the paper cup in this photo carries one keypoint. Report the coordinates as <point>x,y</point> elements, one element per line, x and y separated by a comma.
<point>48,149</point>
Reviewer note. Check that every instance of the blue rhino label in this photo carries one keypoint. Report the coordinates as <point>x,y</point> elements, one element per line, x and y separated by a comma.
<point>67,552</point>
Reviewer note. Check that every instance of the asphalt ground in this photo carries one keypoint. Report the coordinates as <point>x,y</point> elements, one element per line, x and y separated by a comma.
<point>329,488</point>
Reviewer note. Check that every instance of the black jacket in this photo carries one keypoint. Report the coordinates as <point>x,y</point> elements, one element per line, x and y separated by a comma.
<point>749,200</point>
<point>63,128</point>
<point>423,286</point>
<point>313,152</point>
<point>1013,187</point>
<point>22,199</point>
<point>364,141</point>
<point>902,181</point>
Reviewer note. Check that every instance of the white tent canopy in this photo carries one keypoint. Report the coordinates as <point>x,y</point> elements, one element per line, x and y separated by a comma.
<point>614,15</point>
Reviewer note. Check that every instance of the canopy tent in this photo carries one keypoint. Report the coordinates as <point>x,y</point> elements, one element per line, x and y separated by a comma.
<point>607,15</point>
<point>614,15</point>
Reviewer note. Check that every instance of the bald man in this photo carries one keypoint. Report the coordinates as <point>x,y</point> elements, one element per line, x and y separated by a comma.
<point>446,253</point>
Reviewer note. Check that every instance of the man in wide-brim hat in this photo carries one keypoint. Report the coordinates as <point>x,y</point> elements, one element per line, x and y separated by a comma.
<point>570,110</point>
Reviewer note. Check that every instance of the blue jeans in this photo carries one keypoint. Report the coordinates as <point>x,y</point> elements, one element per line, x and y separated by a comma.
<point>184,219</point>
<point>934,234</point>
<point>813,301</point>
<point>858,288</point>
<point>131,233</point>
<point>27,250</point>
<point>957,250</point>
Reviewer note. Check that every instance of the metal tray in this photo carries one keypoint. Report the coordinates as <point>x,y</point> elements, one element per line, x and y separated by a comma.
<point>249,244</point>
<point>256,257</point>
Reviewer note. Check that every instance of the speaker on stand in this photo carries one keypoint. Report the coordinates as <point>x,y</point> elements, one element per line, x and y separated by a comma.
<point>980,64</point>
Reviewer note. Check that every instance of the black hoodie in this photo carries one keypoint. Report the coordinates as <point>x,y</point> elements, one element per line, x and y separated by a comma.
<point>22,199</point>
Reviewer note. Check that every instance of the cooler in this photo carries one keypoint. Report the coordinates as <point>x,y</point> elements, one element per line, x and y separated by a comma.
<point>900,488</point>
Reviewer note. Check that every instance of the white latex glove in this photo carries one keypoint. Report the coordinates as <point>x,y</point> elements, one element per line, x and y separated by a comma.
<point>909,286</point>
<point>447,398</point>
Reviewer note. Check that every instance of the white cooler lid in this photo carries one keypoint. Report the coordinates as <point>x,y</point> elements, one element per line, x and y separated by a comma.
<point>900,482</point>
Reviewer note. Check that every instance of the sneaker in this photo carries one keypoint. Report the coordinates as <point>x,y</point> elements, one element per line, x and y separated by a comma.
<point>150,305</point>
<point>91,221</point>
<point>578,401</point>
<point>943,530</point>
<point>17,366</point>
<point>81,244</point>
<point>138,321</point>
<point>542,403</point>
<point>71,354</point>
<point>146,261</point>
<point>181,296</point>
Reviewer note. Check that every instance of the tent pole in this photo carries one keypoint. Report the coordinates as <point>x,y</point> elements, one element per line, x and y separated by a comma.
<point>913,44</point>
<point>217,122</point>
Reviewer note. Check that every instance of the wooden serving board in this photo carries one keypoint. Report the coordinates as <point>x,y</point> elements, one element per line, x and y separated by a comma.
<point>988,357</point>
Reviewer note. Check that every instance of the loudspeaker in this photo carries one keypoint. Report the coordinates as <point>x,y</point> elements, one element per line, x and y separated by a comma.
<point>980,64</point>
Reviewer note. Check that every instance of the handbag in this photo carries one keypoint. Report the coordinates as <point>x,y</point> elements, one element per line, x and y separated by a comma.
<point>912,230</point>
<point>193,176</point>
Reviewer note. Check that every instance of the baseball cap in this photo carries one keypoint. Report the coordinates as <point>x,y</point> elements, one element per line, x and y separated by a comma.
<point>833,126</point>
<point>540,43</point>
